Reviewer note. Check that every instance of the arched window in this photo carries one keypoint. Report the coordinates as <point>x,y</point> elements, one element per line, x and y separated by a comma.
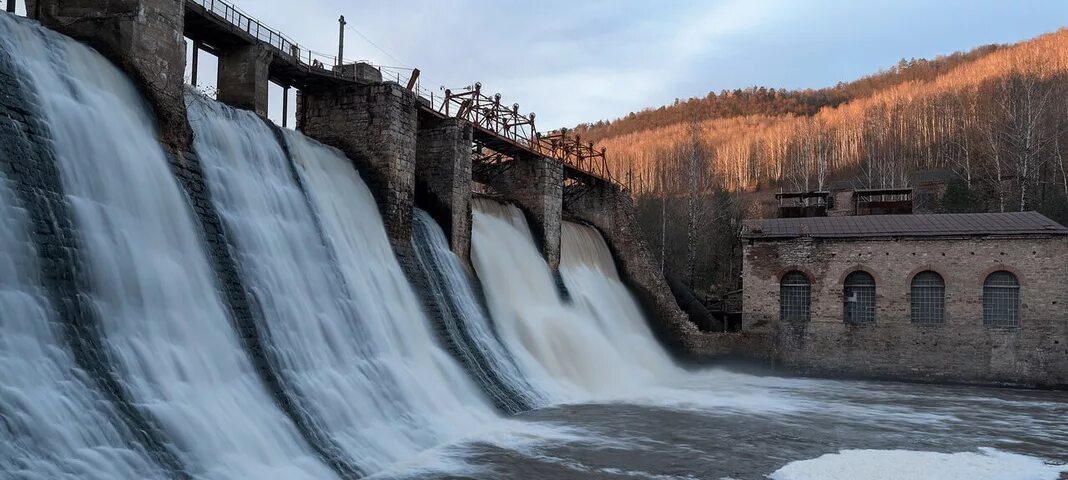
<point>928,298</point>
<point>794,297</point>
<point>859,298</point>
<point>1001,300</point>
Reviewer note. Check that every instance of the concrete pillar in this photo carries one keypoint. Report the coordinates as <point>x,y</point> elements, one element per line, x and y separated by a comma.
<point>537,186</point>
<point>443,178</point>
<point>143,37</point>
<point>375,126</point>
<point>244,72</point>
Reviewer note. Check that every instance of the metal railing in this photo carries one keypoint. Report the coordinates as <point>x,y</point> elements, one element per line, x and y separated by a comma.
<point>282,44</point>
<point>469,103</point>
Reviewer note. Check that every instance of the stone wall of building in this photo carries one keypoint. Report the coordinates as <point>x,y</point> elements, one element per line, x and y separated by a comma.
<point>375,126</point>
<point>144,38</point>
<point>443,178</point>
<point>962,349</point>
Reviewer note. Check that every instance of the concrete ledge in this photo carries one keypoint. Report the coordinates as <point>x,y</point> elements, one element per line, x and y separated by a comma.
<point>716,346</point>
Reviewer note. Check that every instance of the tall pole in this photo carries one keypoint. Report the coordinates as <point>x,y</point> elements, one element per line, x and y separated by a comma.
<point>196,57</point>
<point>285,107</point>
<point>341,41</point>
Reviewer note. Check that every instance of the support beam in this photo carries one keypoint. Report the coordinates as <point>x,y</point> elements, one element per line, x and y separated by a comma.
<point>196,62</point>
<point>285,107</point>
<point>244,76</point>
<point>144,38</point>
<point>375,126</point>
<point>443,178</point>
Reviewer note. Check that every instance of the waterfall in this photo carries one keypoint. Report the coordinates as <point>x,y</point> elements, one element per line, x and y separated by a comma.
<point>589,272</point>
<point>467,327</point>
<point>55,425</point>
<point>559,347</point>
<point>350,336</point>
<point>164,325</point>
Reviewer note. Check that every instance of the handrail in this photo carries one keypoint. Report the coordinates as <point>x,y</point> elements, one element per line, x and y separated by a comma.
<point>486,112</point>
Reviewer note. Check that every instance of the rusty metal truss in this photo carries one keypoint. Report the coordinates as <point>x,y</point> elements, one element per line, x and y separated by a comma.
<point>506,122</point>
<point>569,149</point>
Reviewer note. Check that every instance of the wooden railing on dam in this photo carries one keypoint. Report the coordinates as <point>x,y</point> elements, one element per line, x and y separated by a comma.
<point>501,132</point>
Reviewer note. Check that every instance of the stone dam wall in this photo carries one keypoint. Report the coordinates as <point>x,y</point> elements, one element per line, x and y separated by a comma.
<point>406,160</point>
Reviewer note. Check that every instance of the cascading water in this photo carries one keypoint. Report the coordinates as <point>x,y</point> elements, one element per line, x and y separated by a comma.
<point>55,425</point>
<point>349,333</point>
<point>164,325</point>
<point>118,360</point>
<point>559,348</point>
<point>590,274</point>
<point>465,323</point>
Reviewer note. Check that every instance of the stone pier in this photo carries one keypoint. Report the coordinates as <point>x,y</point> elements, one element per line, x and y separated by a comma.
<point>143,37</point>
<point>375,126</point>
<point>536,186</point>
<point>443,178</point>
<point>244,73</point>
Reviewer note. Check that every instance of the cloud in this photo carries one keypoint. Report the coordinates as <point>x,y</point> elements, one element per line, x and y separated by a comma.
<point>573,61</point>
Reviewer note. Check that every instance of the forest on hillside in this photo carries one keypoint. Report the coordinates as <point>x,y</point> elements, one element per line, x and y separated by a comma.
<point>996,118</point>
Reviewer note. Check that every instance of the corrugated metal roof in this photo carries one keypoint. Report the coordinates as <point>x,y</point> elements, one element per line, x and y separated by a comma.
<point>935,225</point>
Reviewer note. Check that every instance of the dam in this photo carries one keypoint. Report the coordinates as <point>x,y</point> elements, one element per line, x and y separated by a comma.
<point>188,291</point>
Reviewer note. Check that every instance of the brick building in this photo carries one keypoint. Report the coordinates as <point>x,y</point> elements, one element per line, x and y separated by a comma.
<point>977,298</point>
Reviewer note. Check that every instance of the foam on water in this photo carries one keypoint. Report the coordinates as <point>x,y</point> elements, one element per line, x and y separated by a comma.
<point>986,464</point>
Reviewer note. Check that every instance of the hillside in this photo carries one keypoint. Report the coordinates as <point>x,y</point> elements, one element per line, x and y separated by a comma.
<point>996,115</point>
<point>771,101</point>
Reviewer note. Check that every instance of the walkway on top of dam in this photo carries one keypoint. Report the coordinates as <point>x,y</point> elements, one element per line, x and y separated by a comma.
<point>500,128</point>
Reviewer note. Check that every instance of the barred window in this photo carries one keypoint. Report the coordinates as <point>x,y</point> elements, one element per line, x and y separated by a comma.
<point>1001,300</point>
<point>928,298</point>
<point>794,297</point>
<point>859,298</point>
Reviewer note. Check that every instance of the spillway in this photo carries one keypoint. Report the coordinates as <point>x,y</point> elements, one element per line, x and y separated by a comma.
<point>163,323</point>
<point>466,325</point>
<point>562,349</point>
<point>595,288</point>
<point>56,425</point>
<point>349,335</point>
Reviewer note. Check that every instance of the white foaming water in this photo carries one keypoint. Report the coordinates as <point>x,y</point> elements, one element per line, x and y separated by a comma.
<point>986,464</point>
<point>591,278</point>
<point>55,425</point>
<point>155,295</point>
<point>465,322</point>
<point>560,348</point>
<point>433,399</point>
<point>346,327</point>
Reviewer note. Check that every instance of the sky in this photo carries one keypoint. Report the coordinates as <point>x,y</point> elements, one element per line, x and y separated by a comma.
<point>587,60</point>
